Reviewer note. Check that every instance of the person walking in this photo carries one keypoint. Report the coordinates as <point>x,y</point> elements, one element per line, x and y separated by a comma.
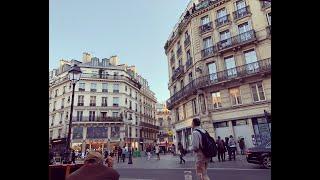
<point>93,169</point>
<point>157,151</point>
<point>241,145</point>
<point>227,147</point>
<point>181,153</point>
<point>148,150</point>
<point>106,153</point>
<point>221,149</point>
<point>119,153</point>
<point>201,160</point>
<point>232,147</point>
<point>73,157</point>
<point>224,150</point>
<point>123,155</point>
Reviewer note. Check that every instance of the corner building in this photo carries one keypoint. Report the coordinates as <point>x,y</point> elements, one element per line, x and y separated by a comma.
<point>219,59</point>
<point>113,105</point>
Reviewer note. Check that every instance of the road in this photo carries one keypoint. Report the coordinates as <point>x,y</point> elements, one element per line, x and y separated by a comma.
<point>178,174</point>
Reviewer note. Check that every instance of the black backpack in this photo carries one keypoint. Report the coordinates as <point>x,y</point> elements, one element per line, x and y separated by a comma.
<point>209,147</point>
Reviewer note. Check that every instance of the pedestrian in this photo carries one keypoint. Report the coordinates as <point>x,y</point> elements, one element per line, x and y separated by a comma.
<point>73,157</point>
<point>221,149</point>
<point>227,147</point>
<point>157,148</point>
<point>93,169</point>
<point>181,153</point>
<point>106,153</point>
<point>173,149</point>
<point>241,145</point>
<point>119,153</point>
<point>148,150</point>
<point>232,147</point>
<point>201,160</point>
<point>123,155</point>
<point>224,150</point>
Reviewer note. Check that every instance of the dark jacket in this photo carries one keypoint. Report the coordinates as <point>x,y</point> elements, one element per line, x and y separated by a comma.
<point>94,172</point>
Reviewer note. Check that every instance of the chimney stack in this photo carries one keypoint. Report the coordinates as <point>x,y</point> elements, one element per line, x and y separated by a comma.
<point>86,57</point>
<point>114,60</point>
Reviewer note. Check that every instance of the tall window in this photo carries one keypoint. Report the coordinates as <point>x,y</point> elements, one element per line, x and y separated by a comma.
<point>116,88</point>
<point>212,71</point>
<point>130,116</point>
<point>104,102</point>
<point>257,92</point>
<point>59,133</point>
<point>115,114</point>
<point>177,114</point>
<point>80,100</point>
<point>92,115</point>
<point>64,90</point>
<point>130,92</point>
<point>50,134</point>
<point>136,107</point>
<point>116,101</point>
<point>61,117</point>
<point>174,89</point>
<point>222,14</point>
<point>230,66</point>
<point>243,31</point>
<point>188,55</point>
<point>54,105</point>
<point>269,18</point>
<point>205,20</point>
<point>79,115</point>
<point>136,132</point>
<point>181,84</point>
<point>130,104</point>
<point>216,100</point>
<point>225,39</point>
<point>235,96</point>
<point>240,5</point>
<point>104,87</point>
<point>62,103</point>
<point>184,111</point>
<point>57,90</point>
<point>207,42</point>
<point>126,88</point>
<point>194,107</point>
<point>190,77</point>
<point>92,100</point>
<point>251,61</point>
<point>82,86</point>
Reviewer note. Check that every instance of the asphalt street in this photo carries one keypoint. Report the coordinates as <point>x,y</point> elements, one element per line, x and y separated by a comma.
<point>178,174</point>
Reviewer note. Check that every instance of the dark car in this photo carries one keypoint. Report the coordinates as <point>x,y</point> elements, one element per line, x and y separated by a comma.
<point>260,155</point>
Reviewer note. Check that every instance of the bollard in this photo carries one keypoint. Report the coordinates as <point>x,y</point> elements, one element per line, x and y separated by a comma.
<point>187,175</point>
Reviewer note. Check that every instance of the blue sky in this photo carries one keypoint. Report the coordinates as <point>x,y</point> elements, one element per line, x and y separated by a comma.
<point>135,30</point>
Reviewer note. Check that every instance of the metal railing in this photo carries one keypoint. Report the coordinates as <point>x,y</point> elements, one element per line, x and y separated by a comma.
<point>250,69</point>
<point>208,51</point>
<point>172,59</point>
<point>111,77</point>
<point>179,51</point>
<point>222,20</point>
<point>205,27</point>
<point>268,28</point>
<point>97,119</point>
<point>187,42</point>
<point>241,13</point>
<point>237,40</point>
<point>144,124</point>
<point>177,72</point>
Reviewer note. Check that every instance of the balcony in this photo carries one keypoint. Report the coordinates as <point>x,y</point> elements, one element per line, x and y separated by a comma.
<point>81,89</point>
<point>268,28</point>
<point>144,124</point>
<point>179,51</point>
<point>104,105</point>
<point>111,77</point>
<point>187,42</point>
<point>177,72</point>
<point>104,90</point>
<point>92,104</point>
<point>93,90</point>
<point>248,70</point>
<point>115,91</point>
<point>222,20</point>
<point>235,41</point>
<point>207,52</point>
<point>189,63</point>
<point>80,104</point>
<point>205,28</point>
<point>265,4</point>
<point>97,119</point>
<point>241,13</point>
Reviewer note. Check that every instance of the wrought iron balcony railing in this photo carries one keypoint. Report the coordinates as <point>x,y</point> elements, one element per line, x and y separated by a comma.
<point>241,13</point>
<point>177,72</point>
<point>261,66</point>
<point>189,63</point>
<point>179,51</point>
<point>208,52</point>
<point>187,42</point>
<point>205,27</point>
<point>97,119</point>
<point>222,20</point>
<point>234,41</point>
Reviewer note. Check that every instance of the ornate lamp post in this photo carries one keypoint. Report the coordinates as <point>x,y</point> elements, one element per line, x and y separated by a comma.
<point>74,77</point>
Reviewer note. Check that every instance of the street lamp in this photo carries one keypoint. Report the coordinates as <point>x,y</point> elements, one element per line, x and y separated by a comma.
<point>74,76</point>
<point>130,149</point>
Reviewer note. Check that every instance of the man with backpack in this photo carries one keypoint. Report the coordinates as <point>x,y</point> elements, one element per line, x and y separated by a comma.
<point>204,147</point>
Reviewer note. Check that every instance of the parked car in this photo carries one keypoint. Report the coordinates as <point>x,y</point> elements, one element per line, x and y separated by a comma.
<point>260,155</point>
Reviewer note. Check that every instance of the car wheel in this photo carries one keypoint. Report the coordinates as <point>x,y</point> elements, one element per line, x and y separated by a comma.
<point>266,162</point>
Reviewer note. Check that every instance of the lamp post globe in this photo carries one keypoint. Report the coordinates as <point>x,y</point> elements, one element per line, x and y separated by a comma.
<point>74,76</point>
